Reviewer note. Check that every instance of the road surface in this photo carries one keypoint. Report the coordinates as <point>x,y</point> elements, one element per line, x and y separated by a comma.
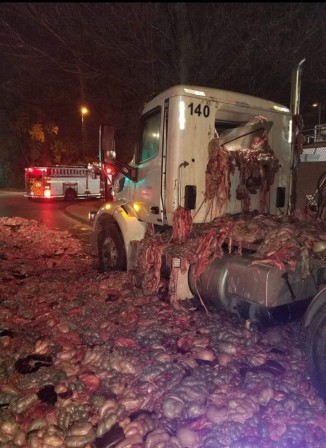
<point>55,214</point>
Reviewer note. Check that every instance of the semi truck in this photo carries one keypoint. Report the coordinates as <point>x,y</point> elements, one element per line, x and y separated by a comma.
<point>206,209</point>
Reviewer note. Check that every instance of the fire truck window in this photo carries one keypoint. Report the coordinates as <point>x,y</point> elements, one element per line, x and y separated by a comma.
<point>150,137</point>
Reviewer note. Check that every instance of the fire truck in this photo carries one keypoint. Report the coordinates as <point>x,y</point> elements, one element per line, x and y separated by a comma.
<point>212,157</point>
<point>63,181</point>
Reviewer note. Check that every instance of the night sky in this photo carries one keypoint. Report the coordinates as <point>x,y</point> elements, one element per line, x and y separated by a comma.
<point>112,57</point>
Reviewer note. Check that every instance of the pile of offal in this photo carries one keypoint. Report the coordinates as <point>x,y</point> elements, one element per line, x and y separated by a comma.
<point>88,360</point>
<point>288,244</point>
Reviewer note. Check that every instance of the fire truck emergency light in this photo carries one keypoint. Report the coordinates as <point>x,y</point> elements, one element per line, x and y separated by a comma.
<point>109,170</point>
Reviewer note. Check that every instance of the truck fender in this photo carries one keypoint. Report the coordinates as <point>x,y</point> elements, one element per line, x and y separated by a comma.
<point>124,216</point>
<point>314,307</point>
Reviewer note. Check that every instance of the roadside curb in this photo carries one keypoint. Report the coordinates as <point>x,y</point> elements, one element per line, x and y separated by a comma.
<point>74,211</point>
<point>78,218</point>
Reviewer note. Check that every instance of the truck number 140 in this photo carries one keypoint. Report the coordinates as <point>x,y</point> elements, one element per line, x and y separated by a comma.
<point>198,110</point>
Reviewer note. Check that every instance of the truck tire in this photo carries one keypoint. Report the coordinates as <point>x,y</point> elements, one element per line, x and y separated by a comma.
<point>70,195</point>
<point>112,254</point>
<point>316,351</point>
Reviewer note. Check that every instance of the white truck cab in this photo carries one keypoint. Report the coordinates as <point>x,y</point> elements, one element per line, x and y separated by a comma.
<point>171,157</point>
<point>168,169</point>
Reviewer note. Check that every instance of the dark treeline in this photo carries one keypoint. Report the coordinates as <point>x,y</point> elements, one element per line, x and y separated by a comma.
<point>113,57</point>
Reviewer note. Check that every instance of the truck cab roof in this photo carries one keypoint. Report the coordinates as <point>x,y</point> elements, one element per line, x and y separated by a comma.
<point>218,95</point>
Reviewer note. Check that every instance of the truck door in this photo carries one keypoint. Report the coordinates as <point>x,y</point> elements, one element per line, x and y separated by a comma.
<point>150,160</point>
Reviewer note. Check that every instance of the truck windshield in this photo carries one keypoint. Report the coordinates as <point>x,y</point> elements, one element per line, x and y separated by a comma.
<point>150,136</point>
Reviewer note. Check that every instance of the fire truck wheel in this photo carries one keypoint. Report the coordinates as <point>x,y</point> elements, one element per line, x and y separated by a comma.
<point>70,195</point>
<point>316,351</point>
<point>112,254</point>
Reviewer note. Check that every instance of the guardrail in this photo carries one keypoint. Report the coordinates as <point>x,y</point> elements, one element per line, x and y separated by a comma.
<point>315,135</point>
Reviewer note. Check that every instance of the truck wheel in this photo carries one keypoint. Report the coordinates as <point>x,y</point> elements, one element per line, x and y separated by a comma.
<point>112,254</point>
<point>70,195</point>
<point>316,351</point>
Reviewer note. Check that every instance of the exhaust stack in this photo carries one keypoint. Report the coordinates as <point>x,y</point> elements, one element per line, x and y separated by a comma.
<point>295,110</point>
<point>295,89</point>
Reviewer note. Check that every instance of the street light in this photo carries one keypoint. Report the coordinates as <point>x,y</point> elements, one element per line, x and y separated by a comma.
<point>319,111</point>
<point>84,111</point>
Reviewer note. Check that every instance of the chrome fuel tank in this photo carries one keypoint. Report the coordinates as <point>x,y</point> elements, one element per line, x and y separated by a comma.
<point>235,278</point>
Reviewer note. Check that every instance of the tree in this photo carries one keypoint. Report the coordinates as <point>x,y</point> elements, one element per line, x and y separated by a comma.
<point>114,56</point>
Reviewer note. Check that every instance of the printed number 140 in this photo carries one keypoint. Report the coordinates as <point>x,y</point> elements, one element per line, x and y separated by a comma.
<point>199,110</point>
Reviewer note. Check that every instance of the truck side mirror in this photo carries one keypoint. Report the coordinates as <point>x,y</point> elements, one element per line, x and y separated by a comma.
<point>107,153</point>
<point>107,143</point>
